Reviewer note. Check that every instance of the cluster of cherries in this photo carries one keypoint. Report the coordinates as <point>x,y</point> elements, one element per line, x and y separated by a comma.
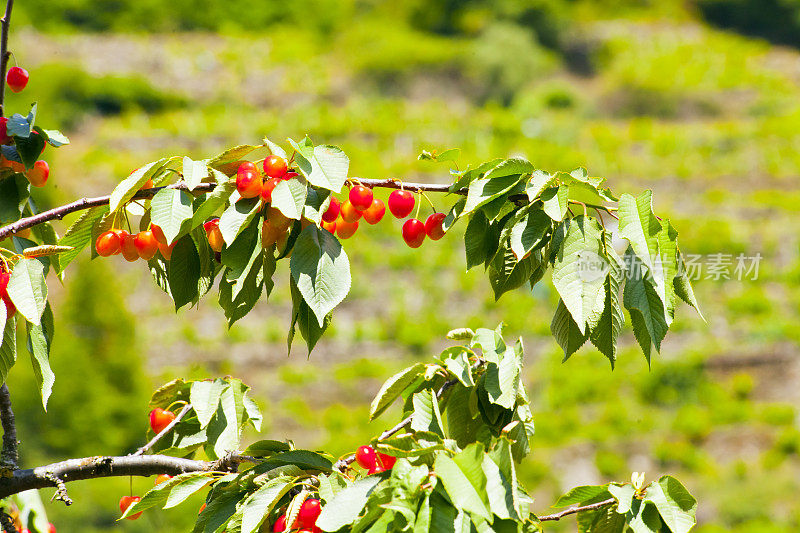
<point>143,245</point>
<point>17,79</point>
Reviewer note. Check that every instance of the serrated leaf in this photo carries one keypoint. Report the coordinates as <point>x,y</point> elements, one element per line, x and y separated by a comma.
<point>683,286</point>
<point>304,319</point>
<point>529,232</point>
<point>499,490</point>
<point>539,182</point>
<point>274,149</point>
<point>502,380</point>
<point>28,290</point>
<point>39,339</point>
<point>477,239</point>
<point>347,505</point>
<point>184,272</point>
<point>321,270</point>
<point>170,209</point>
<point>19,125</point>
<point>194,172</point>
<point>639,225</point>
<point>204,397</point>
<point>498,181</point>
<point>605,328</point>
<point>258,505</point>
<point>392,388</point>
<point>29,148</point>
<point>647,312</point>
<point>231,155</point>
<point>566,332</point>
<point>674,503</point>
<point>56,138</point>
<point>456,360</point>
<point>213,202</point>
<point>507,273</point>
<point>464,486</point>
<point>289,197</point>
<point>555,202</point>
<point>426,415</point>
<point>237,217</point>
<point>323,166</point>
<point>584,493</point>
<point>128,187</point>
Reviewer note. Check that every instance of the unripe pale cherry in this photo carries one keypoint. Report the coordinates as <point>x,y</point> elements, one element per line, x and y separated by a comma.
<point>275,166</point>
<point>332,212</point>
<point>349,213</point>
<point>344,229</point>
<point>375,213</point>
<point>38,174</point>
<point>248,180</point>
<point>413,232</point>
<point>160,418</point>
<point>146,244</point>
<point>360,197</point>
<point>17,78</point>
<point>127,501</point>
<point>433,226</point>
<point>401,203</point>
<point>107,244</point>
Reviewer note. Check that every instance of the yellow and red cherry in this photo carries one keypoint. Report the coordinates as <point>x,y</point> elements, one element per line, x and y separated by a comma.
<point>17,78</point>
<point>375,212</point>
<point>248,180</point>
<point>127,501</point>
<point>267,188</point>
<point>360,197</point>
<point>51,528</point>
<point>158,233</point>
<point>38,174</point>
<point>366,456</point>
<point>161,478</point>
<point>275,166</point>
<point>160,418</point>
<point>107,243</point>
<point>348,212</point>
<point>128,246</point>
<point>401,203</point>
<point>332,212</point>
<point>345,229</point>
<point>146,244</point>
<point>330,226</point>
<point>433,226</point>
<point>414,232</point>
<point>215,240</point>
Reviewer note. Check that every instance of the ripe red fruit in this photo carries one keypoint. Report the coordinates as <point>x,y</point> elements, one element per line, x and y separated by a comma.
<point>333,210</point>
<point>214,234</point>
<point>128,246</point>
<point>127,501</point>
<point>166,250</point>
<point>375,213</point>
<point>433,226</point>
<point>413,232</point>
<point>17,78</point>
<point>345,229</point>
<point>107,243</point>
<point>248,180</point>
<point>146,244</point>
<point>10,307</point>
<point>377,469</point>
<point>387,461</point>
<point>161,478</point>
<point>4,138</point>
<point>51,528</point>
<point>349,213</point>
<point>275,166</point>
<point>360,197</point>
<point>280,524</point>
<point>268,187</point>
<point>38,174</point>
<point>401,203</point>
<point>309,512</point>
<point>159,419</point>
<point>289,175</point>
<point>366,456</point>
<point>330,226</point>
<point>158,233</point>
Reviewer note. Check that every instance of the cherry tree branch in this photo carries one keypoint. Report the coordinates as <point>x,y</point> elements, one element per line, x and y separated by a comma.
<point>576,509</point>
<point>9,455</point>
<point>60,212</point>
<point>5,22</point>
<point>164,431</point>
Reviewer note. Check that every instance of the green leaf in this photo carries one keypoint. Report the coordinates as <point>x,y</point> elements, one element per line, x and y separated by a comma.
<point>529,232</point>
<point>506,273</point>
<point>8,348</point>
<point>604,330</point>
<point>317,202</point>
<point>39,339</point>
<point>56,138</point>
<point>184,272</point>
<point>392,388</point>
<point>323,166</point>
<point>29,148</point>
<point>624,495</point>
<point>456,360</point>
<point>639,225</point>
<point>128,187</point>
<point>477,240</point>
<point>304,319</point>
<point>264,448</point>
<point>171,209</point>
<point>194,172</point>
<point>321,270</point>
<point>204,397</point>
<point>499,490</point>
<point>231,155</point>
<point>347,505</point>
<point>674,503</point>
<point>502,380</point>
<point>213,202</point>
<point>225,428</point>
<point>496,182</point>
<point>580,269</point>
<point>584,493</point>
<point>539,182</point>
<point>289,197</point>
<point>304,459</point>
<point>28,290</point>
<point>566,332</point>
<point>14,193</point>
<point>274,149</point>
<point>464,480</point>
<point>603,520</point>
<point>183,486</point>
<point>258,505</point>
<point>79,235</point>
<point>21,126</point>
<point>648,315</point>
<point>667,268</point>
<point>237,217</point>
<point>555,202</point>
<point>683,286</point>
<point>426,415</point>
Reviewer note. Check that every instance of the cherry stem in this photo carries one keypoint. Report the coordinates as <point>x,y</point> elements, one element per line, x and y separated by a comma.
<point>419,204</point>
<point>429,200</point>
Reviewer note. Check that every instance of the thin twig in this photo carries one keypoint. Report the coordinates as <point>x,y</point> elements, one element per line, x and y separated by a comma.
<point>576,509</point>
<point>164,431</point>
<point>61,489</point>
<point>5,23</point>
<point>10,454</point>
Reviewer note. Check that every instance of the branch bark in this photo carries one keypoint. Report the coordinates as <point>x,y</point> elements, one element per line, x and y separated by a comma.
<point>5,23</point>
<point>576,509</point>
<point>60,212</point>
<point>10,454</point>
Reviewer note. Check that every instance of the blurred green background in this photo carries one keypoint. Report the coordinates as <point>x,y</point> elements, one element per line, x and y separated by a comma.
<point>697,100</point>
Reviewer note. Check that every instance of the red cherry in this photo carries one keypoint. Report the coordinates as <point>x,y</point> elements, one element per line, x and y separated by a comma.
<point>377,469</point>
<point>38,174</point>
<point>275,166</point>
<point>146,244</point>
<point>158,233</point>
<point>344,229</point>
<point>366,456</point>
<point>330,226</point>
<point>107,244</point>
<point>268,187</point>
<point>413,232</point>
<point>51,528</point>
<point>128,246</point>
<point>387,461</point>
<point>348,212</point>
<point>17,78</point>
<point>248,180</point>
<point>333,210</point>
<point>401,203</point>
<point>166,249</point>
<point>280,524</point>
<point>5,277</point>
<point>375,213</point>
<point>211,224</point>
<point>127,501</point>
<point>4,138</point>
<point>289,175</point>
<point>309,512</point>
<point>159,419</point>
<point>433,226</point>
<point>361,197</point>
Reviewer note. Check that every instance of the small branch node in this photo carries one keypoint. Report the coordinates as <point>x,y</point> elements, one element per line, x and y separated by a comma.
<point>61,489</point>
